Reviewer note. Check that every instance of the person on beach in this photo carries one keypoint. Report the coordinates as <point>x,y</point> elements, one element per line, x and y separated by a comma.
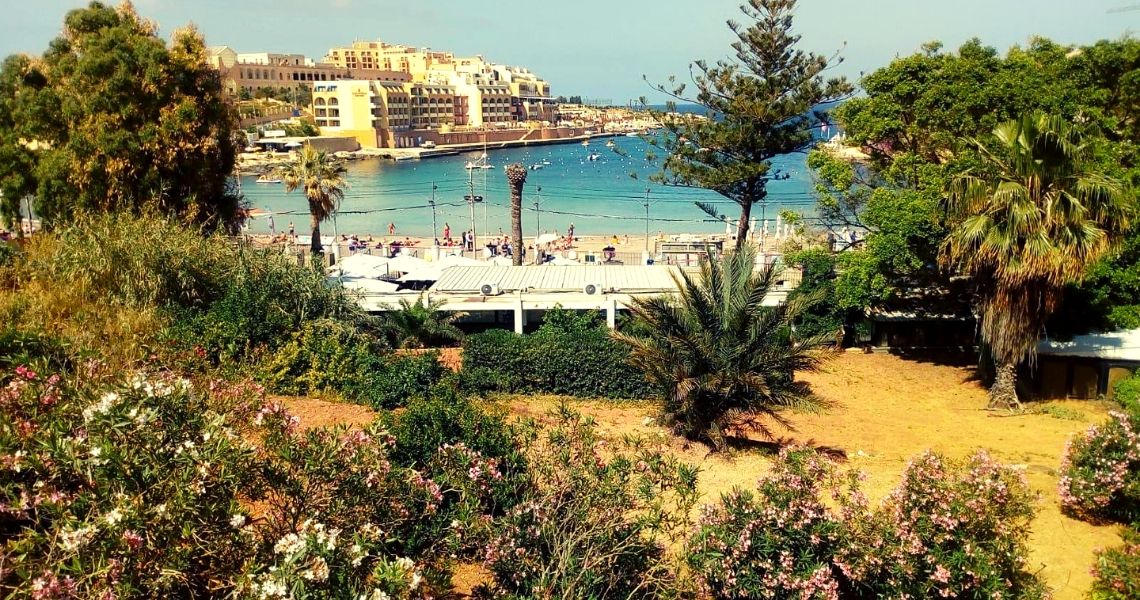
<point>446,232</point>
<point>391,229</point>
<point>292,233</point>
<point>570,233</point>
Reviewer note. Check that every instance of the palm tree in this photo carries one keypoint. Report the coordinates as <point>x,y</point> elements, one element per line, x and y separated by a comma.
<point>1039,216</point>
<point>720,358</point>
<point>322,177</point>
<point>516,177</point>
<point>422,325</point>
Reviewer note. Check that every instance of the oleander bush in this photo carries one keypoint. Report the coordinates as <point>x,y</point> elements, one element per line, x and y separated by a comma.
<point>1128,395</point>
<point>594,521</point>
<point>778,541</point>
<point>117,488</point>
<point>948,530</point>
<point>1100,472</point>
<point>1117,570</point>
<point>570,355</point>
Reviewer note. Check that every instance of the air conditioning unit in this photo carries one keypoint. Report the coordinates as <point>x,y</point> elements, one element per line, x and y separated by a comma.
<point>489,289</point>
<point>592,289</point>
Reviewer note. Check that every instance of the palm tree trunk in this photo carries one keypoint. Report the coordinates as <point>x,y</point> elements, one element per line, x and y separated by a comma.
<point>315,242</point>
<point>742,227</point>
<point>1003,393</point>
<point>516,225</point>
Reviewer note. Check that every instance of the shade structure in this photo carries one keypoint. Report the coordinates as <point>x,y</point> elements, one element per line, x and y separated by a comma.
<point>366,285</point>
<point>406,263</point>
<point>364,265</point>
<point>294,145</point>
<point>558,261</point>
<point>546,238</point>
<point>428,273</point>
<point>498,261</point>
<point>452,260</point>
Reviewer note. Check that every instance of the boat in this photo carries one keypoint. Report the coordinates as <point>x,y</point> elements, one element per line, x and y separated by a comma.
<point>485,167</point>
<point>585,142</point>
<point>536,166</point>
<point>470,165</point>
<point>594,156</point>
<point>610,144</point>
<point>268,178</point>
<point>546,163</point>
<point>633,134</point>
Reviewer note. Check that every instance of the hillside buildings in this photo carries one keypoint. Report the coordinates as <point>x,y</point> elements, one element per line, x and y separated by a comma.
<point>392,96</point>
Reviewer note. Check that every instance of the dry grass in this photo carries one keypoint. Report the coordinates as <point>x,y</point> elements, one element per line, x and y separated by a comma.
<point>886,410</point>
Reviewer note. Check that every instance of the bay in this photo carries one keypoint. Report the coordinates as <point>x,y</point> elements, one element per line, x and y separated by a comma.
<point>600,197</point>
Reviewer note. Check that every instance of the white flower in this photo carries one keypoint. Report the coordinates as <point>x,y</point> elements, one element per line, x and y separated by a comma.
<point>377,594</point>
<point>106,401</point>
<point>416,579</point>
<point>405,563</point>
<point>289,545</point>
<point>74,539</point>
<point>237,521</point>
<point>95,452</point>
<point>160,509</point>
<point>113,517</point>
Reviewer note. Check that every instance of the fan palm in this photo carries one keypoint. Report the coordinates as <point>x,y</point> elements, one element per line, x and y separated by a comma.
<point>1034,223</point>
<point>721,359</point>
<point>422,325</point>
<point>516,178</point>
<point>322,177</point>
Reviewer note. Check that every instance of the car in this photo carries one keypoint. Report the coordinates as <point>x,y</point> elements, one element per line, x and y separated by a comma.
<point>428,144</point>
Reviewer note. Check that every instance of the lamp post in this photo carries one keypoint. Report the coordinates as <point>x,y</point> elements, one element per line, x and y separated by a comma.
<point>434,229</point>
<point>647,219</point>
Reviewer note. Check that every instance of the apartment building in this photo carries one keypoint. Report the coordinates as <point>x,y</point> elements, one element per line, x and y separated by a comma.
<point>372,112</point>
<point>251,71</point>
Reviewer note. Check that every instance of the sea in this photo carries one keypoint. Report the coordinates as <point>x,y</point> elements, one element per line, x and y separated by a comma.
<point>606,196</point>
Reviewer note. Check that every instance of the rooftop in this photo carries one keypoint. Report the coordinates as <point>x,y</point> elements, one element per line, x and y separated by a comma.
<point>617,278</point>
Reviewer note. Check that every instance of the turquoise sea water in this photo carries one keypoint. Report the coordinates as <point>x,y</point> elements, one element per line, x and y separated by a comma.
<point>600,197</point>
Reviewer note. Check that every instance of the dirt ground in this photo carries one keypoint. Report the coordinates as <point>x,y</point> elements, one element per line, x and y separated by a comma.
<point>884,410</point>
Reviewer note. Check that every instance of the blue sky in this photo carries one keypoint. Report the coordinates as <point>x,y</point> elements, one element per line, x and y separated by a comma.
<point>598,48</point>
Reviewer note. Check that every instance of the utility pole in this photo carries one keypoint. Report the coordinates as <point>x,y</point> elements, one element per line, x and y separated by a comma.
<point>538,212</point>
<point>434,229</point>
<point>471,200</point>
<point>647,219</point>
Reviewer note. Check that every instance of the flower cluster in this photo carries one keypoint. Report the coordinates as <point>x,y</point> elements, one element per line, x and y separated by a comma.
<point>947,530</point>
<point>1100,472</point>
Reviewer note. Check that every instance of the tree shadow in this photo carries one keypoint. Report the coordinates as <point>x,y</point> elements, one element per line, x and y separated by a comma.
<point>773,446</point>
<point>965,358</point>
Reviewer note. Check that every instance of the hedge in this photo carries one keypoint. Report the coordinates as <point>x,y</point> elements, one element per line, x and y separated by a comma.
<point>568,356</point>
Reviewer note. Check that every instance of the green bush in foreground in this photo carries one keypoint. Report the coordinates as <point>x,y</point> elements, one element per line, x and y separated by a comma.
<point>569,355</point>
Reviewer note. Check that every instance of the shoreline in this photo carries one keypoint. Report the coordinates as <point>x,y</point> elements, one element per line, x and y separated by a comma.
<point>250,164</point>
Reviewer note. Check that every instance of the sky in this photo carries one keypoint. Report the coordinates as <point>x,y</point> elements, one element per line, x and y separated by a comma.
<point>597,48</point>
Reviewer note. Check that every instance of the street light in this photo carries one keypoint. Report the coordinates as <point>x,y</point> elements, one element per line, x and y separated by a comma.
<point>434,229</point>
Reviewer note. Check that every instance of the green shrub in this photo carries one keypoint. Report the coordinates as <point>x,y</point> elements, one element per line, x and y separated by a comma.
<point>595,519</point>
<point>1117,570</point>
<point>570,355</point>
<point>137,261</point>
<point>1128,395</point>
<point>18,347</point>
<point>324,355</point>
<point>1100,472</point>
<point>394,380</point>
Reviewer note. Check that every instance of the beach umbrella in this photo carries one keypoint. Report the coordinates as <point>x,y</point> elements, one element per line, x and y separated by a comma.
<point>546,238</point>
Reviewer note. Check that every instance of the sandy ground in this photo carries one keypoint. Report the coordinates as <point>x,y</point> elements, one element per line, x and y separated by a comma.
<point>886,409</point>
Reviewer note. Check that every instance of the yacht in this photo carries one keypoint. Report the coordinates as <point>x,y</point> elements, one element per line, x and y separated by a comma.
<point>268,178</point>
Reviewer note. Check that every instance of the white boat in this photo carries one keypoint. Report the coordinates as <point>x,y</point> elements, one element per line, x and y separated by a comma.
<point>470,165</point>
<point>610,144</point>
<point>594,156</point>
<point>546,163</point>
<point>484,167</point>
<point>268,178</point>
<point>633,134</point>
<point>585,142</point>
<point>536,166</point>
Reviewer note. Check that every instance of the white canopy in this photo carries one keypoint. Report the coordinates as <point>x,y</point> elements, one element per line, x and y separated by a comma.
<point>367,286</point>
<point>428,273</point>
<point>406,263</point>
<point>546,238</point>
<point>1116,345</point>
<point>363,265</point>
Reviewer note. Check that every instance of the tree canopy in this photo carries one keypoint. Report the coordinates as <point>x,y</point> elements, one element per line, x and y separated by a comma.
<point>759,105</point>
<point>915,122</point>
<point>111,118</point>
